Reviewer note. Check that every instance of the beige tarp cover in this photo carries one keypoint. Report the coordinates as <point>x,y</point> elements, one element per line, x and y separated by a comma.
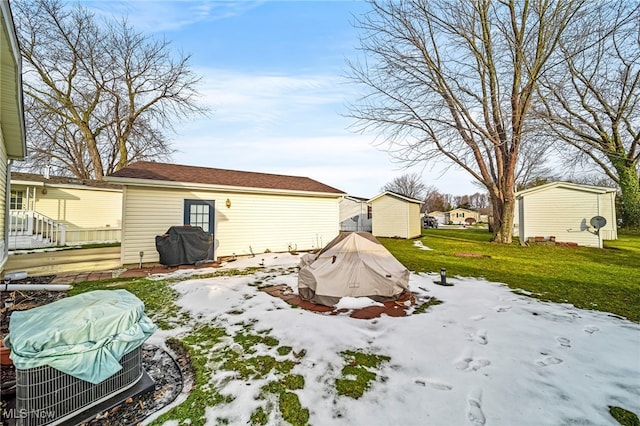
<point>354,264</point>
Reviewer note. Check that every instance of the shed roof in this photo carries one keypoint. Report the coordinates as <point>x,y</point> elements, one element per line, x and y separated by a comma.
<point>145,173</point>
<point>21,178</point>
<point>566,185</point>
<point>397,196</point>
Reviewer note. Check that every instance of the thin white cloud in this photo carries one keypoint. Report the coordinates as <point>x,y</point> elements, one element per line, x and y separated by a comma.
<point>260,99</point>
<point>161,16</point>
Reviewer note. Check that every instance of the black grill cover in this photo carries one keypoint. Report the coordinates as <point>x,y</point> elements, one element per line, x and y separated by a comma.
<point>184,245</point>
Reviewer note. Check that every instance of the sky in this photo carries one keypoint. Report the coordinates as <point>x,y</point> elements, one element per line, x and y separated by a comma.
<point>274,77</point>
<point>486,355</point>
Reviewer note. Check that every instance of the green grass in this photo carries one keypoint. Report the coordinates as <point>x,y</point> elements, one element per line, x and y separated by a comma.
<point>624,417</point>
<point>158,297</point>
<point>602,279</point>
<point>359,372</point>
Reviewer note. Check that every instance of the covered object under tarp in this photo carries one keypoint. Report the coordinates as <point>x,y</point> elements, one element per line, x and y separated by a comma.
<point>184,245</point>
<point>354,264</point>
<point>83,336</point>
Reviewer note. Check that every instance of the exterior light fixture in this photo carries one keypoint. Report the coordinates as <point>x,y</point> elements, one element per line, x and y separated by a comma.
<point>228,203</point>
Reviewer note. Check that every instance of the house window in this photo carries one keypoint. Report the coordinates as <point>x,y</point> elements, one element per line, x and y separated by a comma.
<point>199,213</point>
<point>368,212</point>
<point>17,200</point>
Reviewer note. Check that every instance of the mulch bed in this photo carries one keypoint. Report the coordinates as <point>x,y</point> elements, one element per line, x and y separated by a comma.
<point>396,308</point>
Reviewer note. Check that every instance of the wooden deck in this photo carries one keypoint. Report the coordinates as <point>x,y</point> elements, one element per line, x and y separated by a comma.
<point>64,261</point>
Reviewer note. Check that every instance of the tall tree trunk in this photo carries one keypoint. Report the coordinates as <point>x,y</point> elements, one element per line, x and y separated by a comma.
<point>94,153</point>
<point>503,210</point>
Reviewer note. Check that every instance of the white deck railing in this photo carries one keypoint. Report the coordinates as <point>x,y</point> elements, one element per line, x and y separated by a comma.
<point>38,226</point>
<point>94,235</point>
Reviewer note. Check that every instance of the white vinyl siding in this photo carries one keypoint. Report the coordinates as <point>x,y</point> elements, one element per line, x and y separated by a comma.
<point>607,208</point>
<point>415,227</point>
<point>350,209</point>
<point>395,218</point>
<point>79,208</point>
<point>564,213</point>
<point>253,222</point>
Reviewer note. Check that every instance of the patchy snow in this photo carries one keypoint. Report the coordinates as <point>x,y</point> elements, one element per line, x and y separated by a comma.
<point>485,355</point>
<point>356,303</point>
<point>421,246</point>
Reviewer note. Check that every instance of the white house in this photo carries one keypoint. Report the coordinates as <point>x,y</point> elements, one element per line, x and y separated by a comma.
<point>246,212</point>
<point>567,211</point>
<point>460,216</point>
<point>395,216</point>
<point>355,214</point>
<point>12,129</point>
<point>54,210</point>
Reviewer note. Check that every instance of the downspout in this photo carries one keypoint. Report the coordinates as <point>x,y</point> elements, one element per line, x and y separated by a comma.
<point>7,201</point>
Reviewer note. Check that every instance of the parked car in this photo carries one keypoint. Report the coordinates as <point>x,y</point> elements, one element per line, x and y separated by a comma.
<point>429,222</point>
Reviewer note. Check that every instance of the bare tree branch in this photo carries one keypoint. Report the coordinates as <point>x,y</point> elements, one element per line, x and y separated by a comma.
<point>455,81</point>
<point>103,95</point>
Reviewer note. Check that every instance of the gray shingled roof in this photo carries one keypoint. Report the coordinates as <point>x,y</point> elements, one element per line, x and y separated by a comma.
<point>211,176</point>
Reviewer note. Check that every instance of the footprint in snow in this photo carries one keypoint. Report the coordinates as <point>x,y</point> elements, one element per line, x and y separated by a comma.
<point>564,342</point>
<point>467,362</point>
<point>502,308</point>
<point>591,329</point>
<point>479,336</point>
<point>474,408</point>
<point>477,317</point>
<point>434,384</point>
<point>547,360</point>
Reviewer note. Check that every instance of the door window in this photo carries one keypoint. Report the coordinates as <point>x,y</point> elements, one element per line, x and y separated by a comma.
<point>199,213</point>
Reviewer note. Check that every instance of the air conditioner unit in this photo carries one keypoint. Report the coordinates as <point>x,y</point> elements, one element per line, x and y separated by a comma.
<point>45,395</point>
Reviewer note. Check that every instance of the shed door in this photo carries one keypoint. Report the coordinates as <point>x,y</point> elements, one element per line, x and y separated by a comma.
<point>199,213</point>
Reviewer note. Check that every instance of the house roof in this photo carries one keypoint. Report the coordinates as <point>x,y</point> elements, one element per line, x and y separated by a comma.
<point>11,95</point>
<point>395,195</point>
<point>356,199</point>
<point>566,185</point>
<point>19,178</point>
<point>462,209</point>
<point>146,173</point>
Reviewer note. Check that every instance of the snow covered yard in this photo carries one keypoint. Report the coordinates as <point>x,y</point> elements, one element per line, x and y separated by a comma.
<point>486,355</point>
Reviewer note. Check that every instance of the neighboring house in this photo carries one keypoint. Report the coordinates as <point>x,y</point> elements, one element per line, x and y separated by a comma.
<point>246,212</point>
<point>12,130</point>
<point>461,216</point>
<point>565,211</point>
<point>355,214</point>
<point>53,210</point>
<point>395,216</point>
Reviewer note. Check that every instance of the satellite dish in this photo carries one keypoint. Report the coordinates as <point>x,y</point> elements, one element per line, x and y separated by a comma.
<point>598,222</point>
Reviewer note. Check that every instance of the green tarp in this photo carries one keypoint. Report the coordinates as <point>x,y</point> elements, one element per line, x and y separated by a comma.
<point>84,335</point>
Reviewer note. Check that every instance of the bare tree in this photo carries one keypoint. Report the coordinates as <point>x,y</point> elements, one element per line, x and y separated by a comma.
<point>433,200</point>
<point>410,185</point>
<point>98,96</point>
<point>591,102</point>
<point>478,201</point>
<point>455,80</point>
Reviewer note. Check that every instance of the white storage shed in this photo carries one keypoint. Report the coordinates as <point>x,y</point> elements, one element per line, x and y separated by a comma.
<point>569,212</point>
<point>395,216</point>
